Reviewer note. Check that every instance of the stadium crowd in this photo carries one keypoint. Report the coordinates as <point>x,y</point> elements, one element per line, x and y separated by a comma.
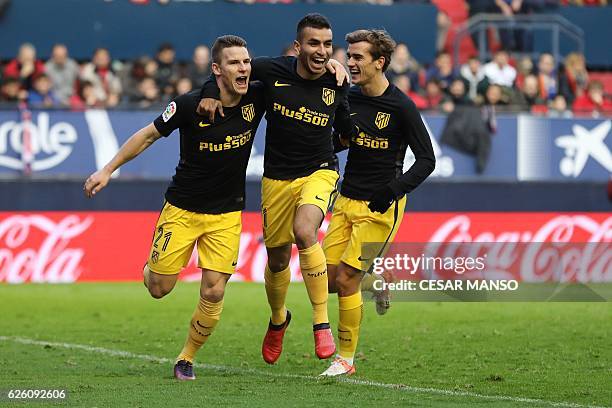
<point>542,86</point>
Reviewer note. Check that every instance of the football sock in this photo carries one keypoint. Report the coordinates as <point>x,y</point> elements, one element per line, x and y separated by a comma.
<point>277,284</point>
<point>367,283</point>
<point>351,311</point>
<point>314,272</point>
<point>203,322</point>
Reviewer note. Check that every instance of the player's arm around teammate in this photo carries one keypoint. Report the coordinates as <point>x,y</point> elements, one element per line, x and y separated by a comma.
<point>303,99</point>
<point>204,201</point>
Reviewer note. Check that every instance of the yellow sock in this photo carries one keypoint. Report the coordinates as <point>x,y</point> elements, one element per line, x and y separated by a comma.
<point>367,283</point>
<point>203,322</point>
<point>314,272</point>
<point>277,284</point>
<point>351,311</point>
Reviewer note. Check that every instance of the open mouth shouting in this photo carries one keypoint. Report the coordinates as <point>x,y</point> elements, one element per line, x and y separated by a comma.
<point>242,83</point>
<point>318,63</point>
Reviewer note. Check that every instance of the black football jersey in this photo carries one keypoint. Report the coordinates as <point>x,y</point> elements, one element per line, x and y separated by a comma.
<point>300,116</point>
<point>385,126</point>
<point>210,176</point>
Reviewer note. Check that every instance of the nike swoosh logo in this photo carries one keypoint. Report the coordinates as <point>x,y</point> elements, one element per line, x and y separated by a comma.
<point>234,263</point>
<point>319,198</point>
<point>362,260</point>
<point>280,84</point>
<point>202,326</point>
<point>353,113</point>
<point>202,124</point>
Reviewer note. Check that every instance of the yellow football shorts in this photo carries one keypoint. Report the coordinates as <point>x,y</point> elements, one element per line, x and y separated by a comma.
<point>178,230</point>
<point>353,224</point>
<point>281,198</point>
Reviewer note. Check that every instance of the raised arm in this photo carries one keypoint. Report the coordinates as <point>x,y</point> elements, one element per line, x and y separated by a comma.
<point>135,145</point>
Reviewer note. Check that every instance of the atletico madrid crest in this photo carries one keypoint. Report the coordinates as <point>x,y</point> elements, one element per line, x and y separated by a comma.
<point>248,112</point>
<point>329,96</point>
<point>382,120</point>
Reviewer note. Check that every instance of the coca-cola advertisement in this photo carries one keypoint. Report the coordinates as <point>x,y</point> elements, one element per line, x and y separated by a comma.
<point>65,247</point>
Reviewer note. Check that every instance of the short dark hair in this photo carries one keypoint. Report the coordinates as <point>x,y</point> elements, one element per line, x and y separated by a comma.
<point>225,41</point>
<point>313,20</point>
<point>381,43</point>
<point>165,46</point>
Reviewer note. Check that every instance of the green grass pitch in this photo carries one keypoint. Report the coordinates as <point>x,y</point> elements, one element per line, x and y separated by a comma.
<point>419,354</point>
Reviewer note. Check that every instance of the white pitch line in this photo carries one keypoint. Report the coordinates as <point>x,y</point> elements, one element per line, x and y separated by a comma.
<point>238,370</point>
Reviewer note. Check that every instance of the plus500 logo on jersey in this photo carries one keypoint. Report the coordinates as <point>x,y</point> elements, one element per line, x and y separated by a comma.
<point>231,142</point>
<point>365,140</point>
<point>303,114</point>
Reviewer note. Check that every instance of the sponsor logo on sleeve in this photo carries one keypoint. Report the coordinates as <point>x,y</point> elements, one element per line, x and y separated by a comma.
<point>169,112</point>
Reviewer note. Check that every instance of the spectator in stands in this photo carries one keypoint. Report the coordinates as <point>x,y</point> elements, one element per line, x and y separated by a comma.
<point>456,96</point>
<point>442,70</point>
<point>402,63</point>
<point>433,94</point>
<point>593,101</point>
<point>444,24</point>
<point>198,69</point>
<point>524,67</point>
<point>42,95</point>
<point>477,7</point>
<point>547,80</point>
<point>494,101</point>
<point>183,85</point>
<point>558,108</point>
<point>25,67</point>
<point>167,69</point>
<point>473,73</point>
<point>512,38</point>
<point>132,75</point>
<point>149,95</point>
<point>11,92</point>
<point>404,85</point>
<point>574,78</point>
<point>530,95</point>
<point>63,73</point>
<point>86,97</point>
<point>499,71</point>
<point>100,75</point>
<point>457,93</point>
<point>495,96</point>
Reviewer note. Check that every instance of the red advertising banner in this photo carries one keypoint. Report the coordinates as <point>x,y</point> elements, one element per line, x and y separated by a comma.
<point>63,247</point>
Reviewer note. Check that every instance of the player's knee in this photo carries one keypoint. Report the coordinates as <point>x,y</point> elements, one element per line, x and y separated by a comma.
<point>347,282</point>
<point>213,293</point>
<point>158,291</point>
<point>278,260</point>
<point>305,235</point>
<point>342,282</point>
